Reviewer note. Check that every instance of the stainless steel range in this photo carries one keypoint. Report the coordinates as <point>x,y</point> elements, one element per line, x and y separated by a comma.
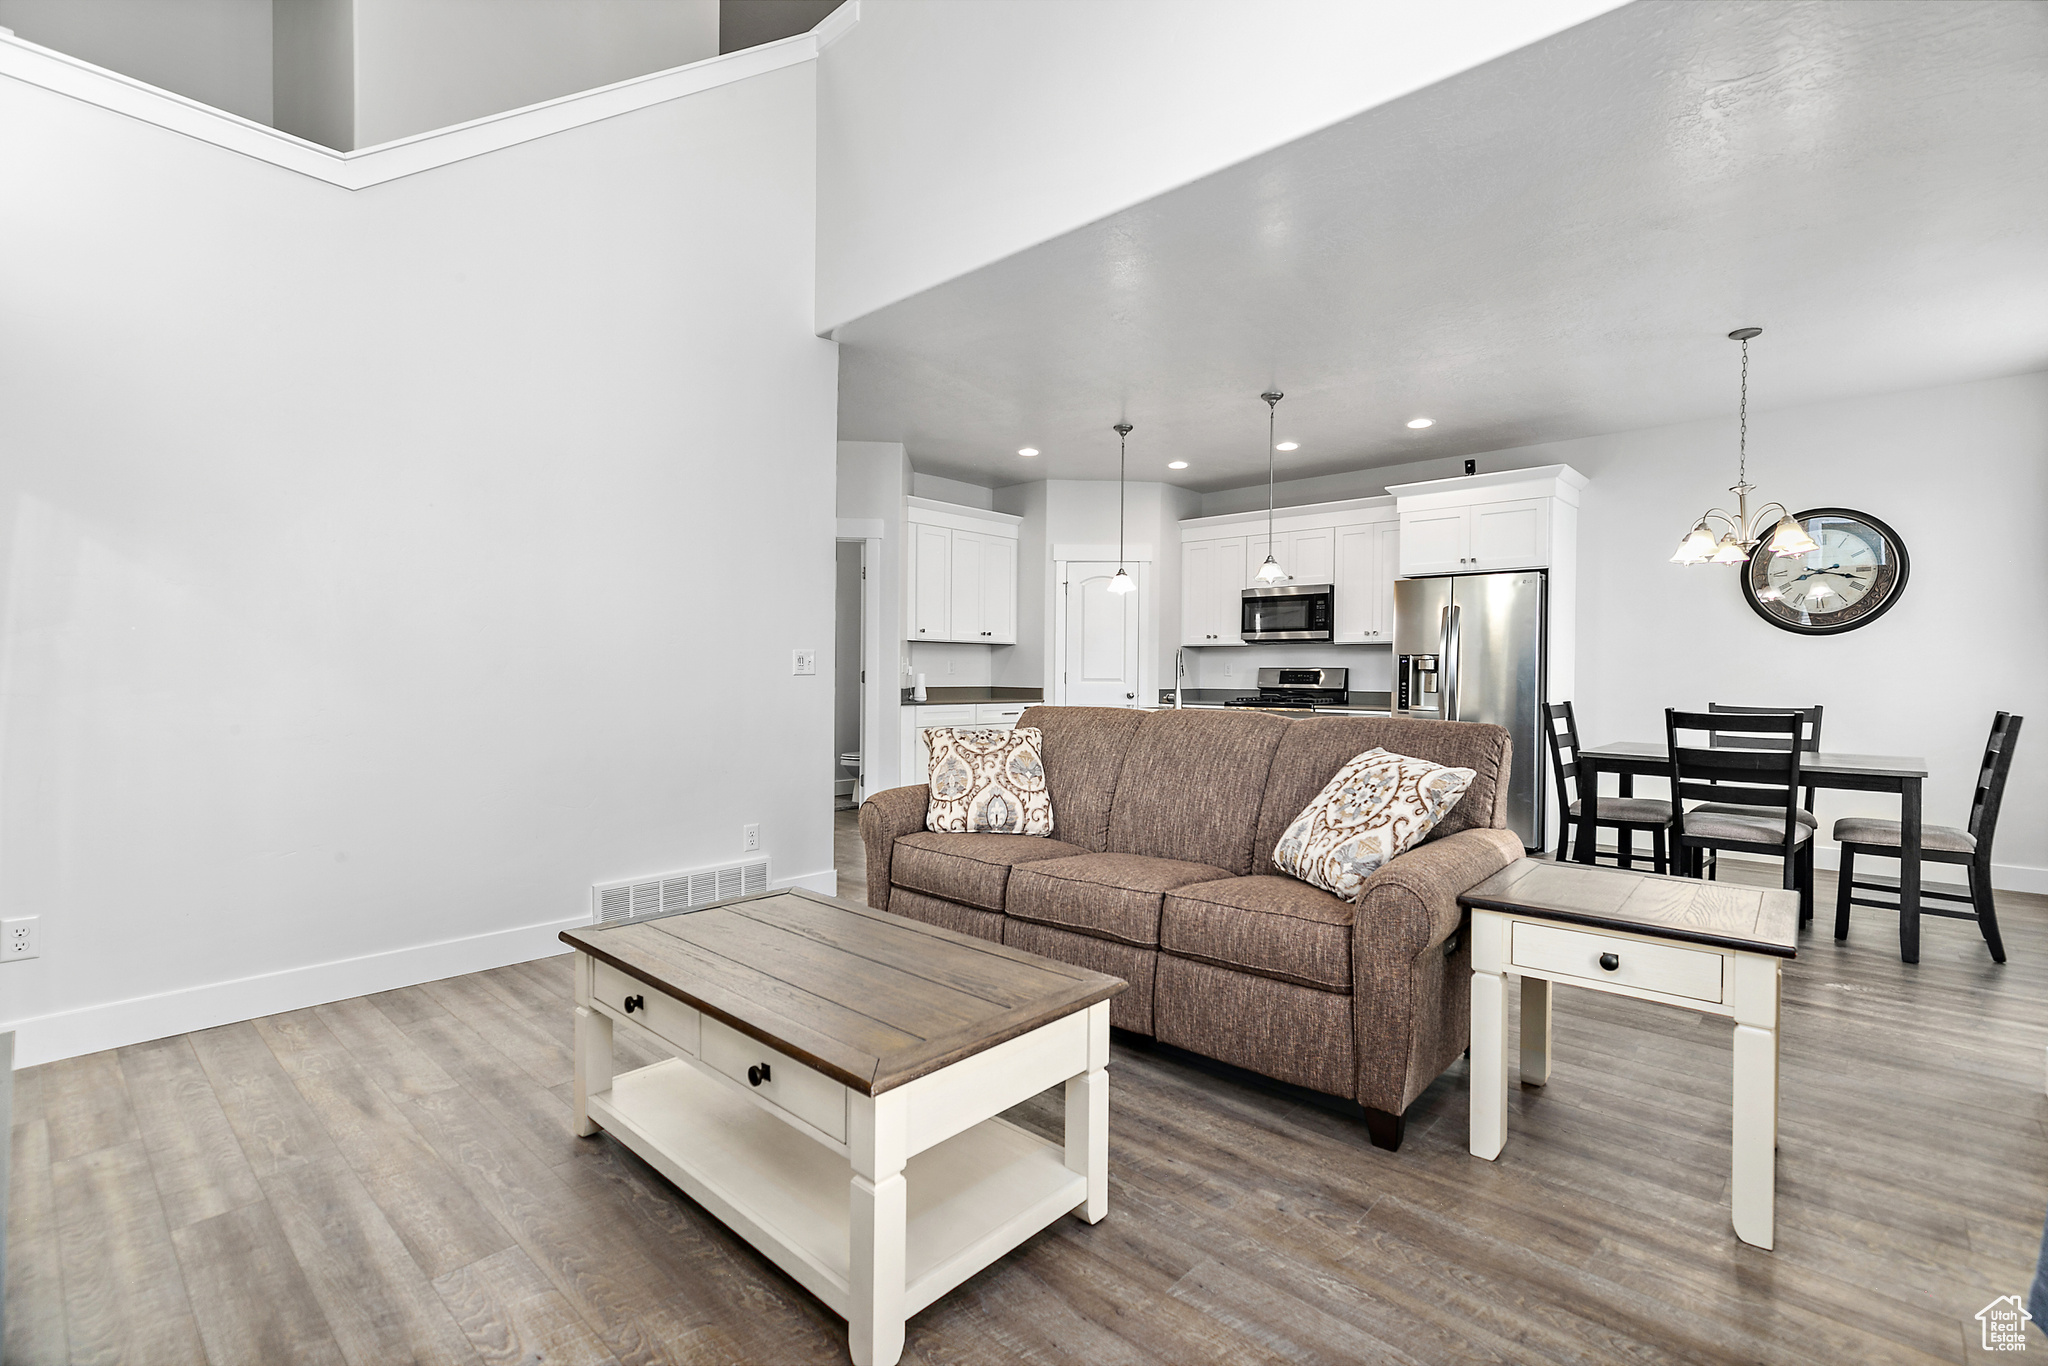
<point>1304,688</point>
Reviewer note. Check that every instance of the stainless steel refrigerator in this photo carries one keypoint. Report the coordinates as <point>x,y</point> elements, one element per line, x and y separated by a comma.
<point>1470,647</point>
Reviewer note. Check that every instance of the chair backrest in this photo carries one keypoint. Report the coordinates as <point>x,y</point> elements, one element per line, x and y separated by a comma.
<point>1756,775</point>
<point>1734,736</point>
<point>1990,791</point>
<point>1561,732</point>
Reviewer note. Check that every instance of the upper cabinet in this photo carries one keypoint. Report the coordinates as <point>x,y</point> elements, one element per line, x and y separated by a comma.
<point>961,580</point>
<point>1516,519</point>
<point>1212,579</point>
<point>1350,545</point>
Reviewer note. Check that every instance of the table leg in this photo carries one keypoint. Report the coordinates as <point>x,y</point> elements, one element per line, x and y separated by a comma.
<point>1088,1119</point>
<point>1753,1193</point>
<point>1489,1037</point>
<point>876,1229</point>
<point>1588,844</point>
<point>1535,1030</point>
<point>593,1051</point>
<point>1909,870</point>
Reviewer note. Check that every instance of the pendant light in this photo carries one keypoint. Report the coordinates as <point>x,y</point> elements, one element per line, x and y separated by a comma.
<point>1270,571</point>
<point>1121,581</point>
<point>1739,535</point>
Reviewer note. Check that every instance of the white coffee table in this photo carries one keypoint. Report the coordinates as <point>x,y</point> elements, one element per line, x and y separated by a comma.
<point>833,1089</point>
<point>1709,947</point>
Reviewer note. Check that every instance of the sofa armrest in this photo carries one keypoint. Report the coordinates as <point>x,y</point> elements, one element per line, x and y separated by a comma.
<point>884,817</point>
<point>1411,1001</point>
<point>1412,903</point>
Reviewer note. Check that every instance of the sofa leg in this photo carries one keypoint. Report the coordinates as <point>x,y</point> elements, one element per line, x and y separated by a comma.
<point>1384,1129</point>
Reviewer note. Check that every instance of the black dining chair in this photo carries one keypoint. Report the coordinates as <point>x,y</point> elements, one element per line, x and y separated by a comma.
<point>1755,787</point>
<point>1733,736</point>
<point>1623,815</point>
<point>1969,846</point>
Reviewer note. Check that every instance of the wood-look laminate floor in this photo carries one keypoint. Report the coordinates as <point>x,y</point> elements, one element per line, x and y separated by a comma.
<point>392,1179</point>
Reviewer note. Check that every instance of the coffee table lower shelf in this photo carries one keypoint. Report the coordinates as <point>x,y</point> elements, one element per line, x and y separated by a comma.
<point>970,1199</point>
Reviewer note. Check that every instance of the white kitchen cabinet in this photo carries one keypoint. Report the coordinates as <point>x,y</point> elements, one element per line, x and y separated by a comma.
<point>1368,562</point>
<point>1212,581</point>
<point>1308,556</point>
<point>961,583</point>
<point>1507,533</point>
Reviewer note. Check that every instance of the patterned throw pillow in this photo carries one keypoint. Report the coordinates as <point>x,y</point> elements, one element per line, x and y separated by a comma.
<point>1378,806</point>
<point>987,782</point>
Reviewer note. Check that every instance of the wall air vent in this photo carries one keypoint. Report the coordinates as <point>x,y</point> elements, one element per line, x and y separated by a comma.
<point>637,897</point>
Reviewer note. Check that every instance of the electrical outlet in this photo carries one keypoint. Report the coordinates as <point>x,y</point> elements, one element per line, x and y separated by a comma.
<point>18,939</point>
<point>803,662</point>
<point>750,838</point>
<point>952,666</point>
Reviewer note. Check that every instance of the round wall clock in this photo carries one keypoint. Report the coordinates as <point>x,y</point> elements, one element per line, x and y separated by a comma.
<point>1856,575</point>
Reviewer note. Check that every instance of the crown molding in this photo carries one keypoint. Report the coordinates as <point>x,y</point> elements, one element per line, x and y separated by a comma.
<point>31,64</point>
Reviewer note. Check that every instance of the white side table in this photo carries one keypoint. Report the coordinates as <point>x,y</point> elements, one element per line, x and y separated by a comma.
<point>1703,946</point>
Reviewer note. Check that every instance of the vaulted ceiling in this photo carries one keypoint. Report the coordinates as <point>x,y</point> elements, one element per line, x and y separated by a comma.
<point>1552,245</point>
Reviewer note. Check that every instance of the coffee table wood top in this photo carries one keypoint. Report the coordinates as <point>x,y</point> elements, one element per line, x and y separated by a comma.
<point>870,999</point>
<point>1750,919</point>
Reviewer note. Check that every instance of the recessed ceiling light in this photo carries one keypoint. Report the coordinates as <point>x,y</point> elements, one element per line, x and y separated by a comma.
<point>1421,422</point>
<point>1176,464</point>
<point>1288,446</point>
<point>1027,450</point>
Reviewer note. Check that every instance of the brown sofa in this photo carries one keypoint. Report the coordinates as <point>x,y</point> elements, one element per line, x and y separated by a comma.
<point>1160,871</point>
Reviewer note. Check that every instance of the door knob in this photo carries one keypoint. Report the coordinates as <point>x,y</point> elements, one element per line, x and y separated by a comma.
<point>634,1003</point>
<point>758,1074</point>
<point>1610,961</point>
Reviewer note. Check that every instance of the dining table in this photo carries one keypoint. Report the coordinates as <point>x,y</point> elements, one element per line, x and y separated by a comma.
<point>1902,774</point>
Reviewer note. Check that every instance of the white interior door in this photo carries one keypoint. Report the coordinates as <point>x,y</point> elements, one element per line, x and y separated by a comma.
<point>1099,656</point>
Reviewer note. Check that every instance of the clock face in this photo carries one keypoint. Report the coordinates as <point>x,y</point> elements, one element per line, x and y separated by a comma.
<point>1857,572</point>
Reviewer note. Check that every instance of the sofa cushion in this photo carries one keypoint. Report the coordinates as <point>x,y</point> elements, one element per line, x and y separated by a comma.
<point>1273,926</point>
<point>1314,748</point>
<point>1294,1033</point>
<point>948,915</point>
<point>1191,784</point>
<point>1130,1008</point>
<point>1110,896</point>
<point>986,782</point>
<point>971,869</point>
<point>1083,751</point>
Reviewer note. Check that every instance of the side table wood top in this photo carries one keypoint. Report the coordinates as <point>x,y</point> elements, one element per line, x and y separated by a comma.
<point>870,999</point>
<point>1748,919</point>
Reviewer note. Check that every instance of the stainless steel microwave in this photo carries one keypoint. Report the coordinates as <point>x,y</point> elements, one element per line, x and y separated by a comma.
<point>1295,611</point>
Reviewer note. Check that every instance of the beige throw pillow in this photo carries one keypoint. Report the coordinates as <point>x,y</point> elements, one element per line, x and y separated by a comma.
<point>1378,806</point>
<point>987,782</point>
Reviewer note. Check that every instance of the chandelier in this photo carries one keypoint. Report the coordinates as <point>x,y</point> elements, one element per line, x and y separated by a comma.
<point>1739,534</point>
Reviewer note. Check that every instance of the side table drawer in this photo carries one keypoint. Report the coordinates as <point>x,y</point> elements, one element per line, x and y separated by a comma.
<point>661,1015</point>
<point>812,1097</point>
<point>1692,973</point>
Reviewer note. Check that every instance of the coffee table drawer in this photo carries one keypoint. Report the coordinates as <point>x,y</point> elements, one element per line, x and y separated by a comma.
<point>811,1096</point>
<point>1692,973</point>
<point>661,1015</point>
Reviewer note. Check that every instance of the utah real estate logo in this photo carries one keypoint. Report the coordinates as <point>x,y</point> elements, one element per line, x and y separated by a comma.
<point>2005,1324</point>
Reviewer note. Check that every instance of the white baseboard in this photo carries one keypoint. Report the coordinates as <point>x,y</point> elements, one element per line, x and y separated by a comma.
<point>113,1024</point>
<point>2006,877</point>
<point>824,884</point>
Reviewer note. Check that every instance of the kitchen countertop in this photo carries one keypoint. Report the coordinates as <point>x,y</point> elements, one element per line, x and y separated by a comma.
<point>1361,703</point>
<point>953,697</point>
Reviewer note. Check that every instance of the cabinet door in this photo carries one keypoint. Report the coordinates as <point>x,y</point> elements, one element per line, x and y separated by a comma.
<point>999,590</point>
<point>1513,534</point>
<point>1226,610</point>
<point>1387,558</point>
<point>931,584</point>
<point>1355,588</point>
<point>1310,556</point>
<point>1436,542</point>
<point>966,585</point>
<point>1197,591</point>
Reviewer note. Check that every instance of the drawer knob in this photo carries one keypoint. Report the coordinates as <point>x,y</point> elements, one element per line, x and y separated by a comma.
<point>757,1074</point>
<point>1610,961</point>
<point>634,1003</point>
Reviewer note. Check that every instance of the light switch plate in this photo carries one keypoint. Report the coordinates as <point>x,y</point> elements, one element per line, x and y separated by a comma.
<point>803,662</point>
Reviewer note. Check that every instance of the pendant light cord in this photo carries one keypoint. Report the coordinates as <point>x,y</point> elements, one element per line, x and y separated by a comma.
<point>1123,432</point>
<point>1272,397</point>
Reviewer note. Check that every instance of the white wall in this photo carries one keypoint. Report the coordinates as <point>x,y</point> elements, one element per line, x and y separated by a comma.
<point>1960,472</point>
<point>213,51</point>
<point>846,630</point>
<point>952,135</point>
<point>424,64</point>
<point>942,490</point>
<point>364,551</point>
<point>872,480</point>
<point>1025,664</point>
<point>313,71</point>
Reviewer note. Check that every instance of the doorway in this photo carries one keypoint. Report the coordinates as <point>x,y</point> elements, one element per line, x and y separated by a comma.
<point>849,619</point>
<point>1099,664</point>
